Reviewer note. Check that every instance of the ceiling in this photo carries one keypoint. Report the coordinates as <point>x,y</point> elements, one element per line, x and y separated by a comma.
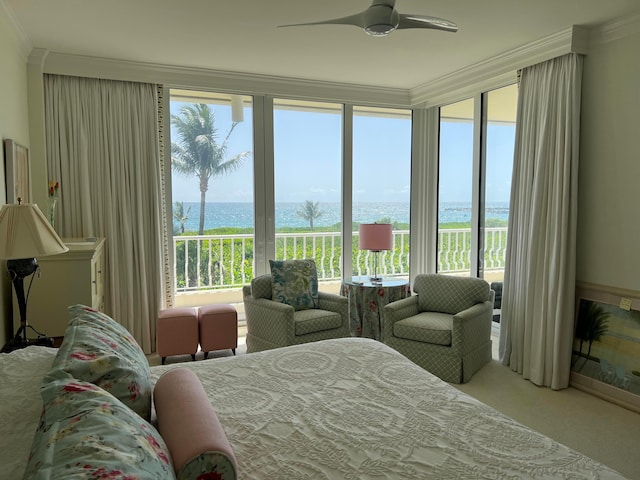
<point>242,35</point>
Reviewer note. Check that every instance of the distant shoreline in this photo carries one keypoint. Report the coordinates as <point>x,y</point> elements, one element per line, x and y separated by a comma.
<point>236,215</point>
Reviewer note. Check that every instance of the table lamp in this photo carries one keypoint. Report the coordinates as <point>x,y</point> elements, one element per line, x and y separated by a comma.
<point>376,237</point>
<point>25,234</point>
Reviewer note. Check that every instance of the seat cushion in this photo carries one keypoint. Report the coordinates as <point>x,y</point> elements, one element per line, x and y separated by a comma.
<point>428,327</point>
<point>315,320</point>
<point>295,282</point>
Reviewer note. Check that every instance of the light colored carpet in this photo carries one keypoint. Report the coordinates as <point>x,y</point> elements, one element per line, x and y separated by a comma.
<point>601,430</point>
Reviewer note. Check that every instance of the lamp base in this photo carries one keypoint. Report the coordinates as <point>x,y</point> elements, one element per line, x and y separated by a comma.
<point>19,341</point>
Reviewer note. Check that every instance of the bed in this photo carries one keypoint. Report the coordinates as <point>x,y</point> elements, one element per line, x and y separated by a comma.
<point>346,408</point>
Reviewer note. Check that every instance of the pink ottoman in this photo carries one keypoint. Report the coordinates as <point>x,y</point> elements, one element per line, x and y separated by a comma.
<point>218,328</point>
<point>177,332</point>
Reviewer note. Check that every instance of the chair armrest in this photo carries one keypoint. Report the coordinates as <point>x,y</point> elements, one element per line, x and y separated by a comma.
<point>472,327</point>
<point>335,303</point>
<point>246,291</point>
<point>332,302</point>
<point>269,320</point>
<point>395,311</point>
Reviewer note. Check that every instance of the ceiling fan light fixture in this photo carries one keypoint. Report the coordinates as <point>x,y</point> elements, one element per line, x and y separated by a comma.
<point>380,19</point>
<point>379,30</point>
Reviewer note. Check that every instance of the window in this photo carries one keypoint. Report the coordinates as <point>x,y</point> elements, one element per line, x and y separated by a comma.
<point>380,186</point>
<point>501,132</point>
<point>455,187</point>
<point>476,159</point>
<point>216,221</point>
<point>308,183</point>
<point>211,189</point>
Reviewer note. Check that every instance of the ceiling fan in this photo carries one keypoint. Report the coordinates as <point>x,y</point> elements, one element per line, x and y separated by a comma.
<point>381,18</point>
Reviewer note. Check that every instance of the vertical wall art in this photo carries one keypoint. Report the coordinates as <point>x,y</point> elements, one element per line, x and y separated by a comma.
<point>17,172</point>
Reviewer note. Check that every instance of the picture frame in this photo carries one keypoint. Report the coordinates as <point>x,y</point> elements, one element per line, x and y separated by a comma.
<point>17,172</point>
<point>605,358</point>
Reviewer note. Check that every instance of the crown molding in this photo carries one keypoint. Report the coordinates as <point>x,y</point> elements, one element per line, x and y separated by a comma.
<point>23,43</point>
<point>614,30</point>
<point>492,73</point>
<point>37,57</point>
<point>222,81</point>
<point>499,70</point>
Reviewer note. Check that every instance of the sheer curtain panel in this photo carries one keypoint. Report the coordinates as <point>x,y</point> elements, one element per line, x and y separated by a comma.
<point>536,330</point>
<point>424,188</point>
<point>103,147</point>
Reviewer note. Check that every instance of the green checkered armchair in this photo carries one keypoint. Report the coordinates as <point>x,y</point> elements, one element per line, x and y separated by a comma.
<point>272,324</point>
<point>445,327</point>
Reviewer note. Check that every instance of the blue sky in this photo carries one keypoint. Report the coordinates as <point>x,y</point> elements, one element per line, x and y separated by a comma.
<point>308,152</point>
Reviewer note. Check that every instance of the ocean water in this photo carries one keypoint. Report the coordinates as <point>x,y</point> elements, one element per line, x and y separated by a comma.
<point>240,215</point>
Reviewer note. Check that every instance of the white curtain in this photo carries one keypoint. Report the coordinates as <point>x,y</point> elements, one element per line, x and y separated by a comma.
<point>103,147</point>
<point>536,331</point>
<point>424,188</point>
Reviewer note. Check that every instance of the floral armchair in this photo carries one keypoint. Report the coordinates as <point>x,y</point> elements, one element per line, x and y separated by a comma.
<point>286,308</point>
<point>445,327</point>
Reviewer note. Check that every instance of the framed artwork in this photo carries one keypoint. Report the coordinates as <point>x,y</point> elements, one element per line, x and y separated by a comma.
<point>17,172</point>
<point>605,359</point>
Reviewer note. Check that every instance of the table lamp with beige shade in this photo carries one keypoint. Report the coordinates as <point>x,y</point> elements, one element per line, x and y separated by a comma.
<point>25,234</point>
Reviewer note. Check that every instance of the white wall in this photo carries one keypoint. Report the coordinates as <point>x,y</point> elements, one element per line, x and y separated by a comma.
<point>14,124</point>
<point>609,178</point>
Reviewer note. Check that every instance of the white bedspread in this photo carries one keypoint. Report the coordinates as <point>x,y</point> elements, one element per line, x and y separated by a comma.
<point>356,409</point>
<point>348,408</point>
<point>21,374</point>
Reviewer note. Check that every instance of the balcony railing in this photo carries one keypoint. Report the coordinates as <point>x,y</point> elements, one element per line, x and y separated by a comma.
<point>226,261</point>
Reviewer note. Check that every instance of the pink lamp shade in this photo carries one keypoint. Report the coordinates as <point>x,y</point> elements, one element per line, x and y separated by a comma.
<point>376,236</point>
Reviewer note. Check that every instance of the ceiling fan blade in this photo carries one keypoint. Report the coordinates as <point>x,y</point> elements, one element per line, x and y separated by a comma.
<point>357,20</point>
<point>419,21</point>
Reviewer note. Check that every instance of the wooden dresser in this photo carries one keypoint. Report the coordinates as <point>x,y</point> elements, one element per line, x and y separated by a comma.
<point>66,279</point>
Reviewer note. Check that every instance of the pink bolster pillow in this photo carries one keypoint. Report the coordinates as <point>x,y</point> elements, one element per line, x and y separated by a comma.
<point>190,427</point>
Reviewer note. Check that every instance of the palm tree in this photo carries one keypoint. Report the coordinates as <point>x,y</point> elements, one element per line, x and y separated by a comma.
<point>179,214</point>
<point>310,211</point>
<point>198,151</point>
<point>593,322</point>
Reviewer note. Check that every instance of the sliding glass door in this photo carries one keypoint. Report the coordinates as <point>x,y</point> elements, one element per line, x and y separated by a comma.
<point>212,191</point>
<point>501,131</point>
<point>307,140</point>
<point>380,185</point>
<point>323,169</point>
<point>455,187</point>
<point>475,163</point>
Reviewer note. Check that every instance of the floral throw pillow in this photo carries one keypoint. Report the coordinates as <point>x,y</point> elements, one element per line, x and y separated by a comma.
<point>295,282</point>
<point>96,349</point>
<point>83,314</point>
<point>85,432</point>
